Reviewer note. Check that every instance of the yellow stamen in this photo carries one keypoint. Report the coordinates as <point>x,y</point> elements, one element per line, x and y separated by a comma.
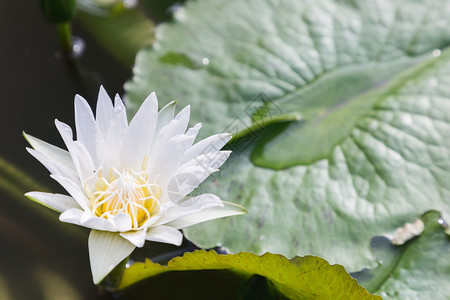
<point>128,192</point>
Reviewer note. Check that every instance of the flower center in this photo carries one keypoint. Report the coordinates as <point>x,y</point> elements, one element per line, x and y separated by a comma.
<point>127,192</point>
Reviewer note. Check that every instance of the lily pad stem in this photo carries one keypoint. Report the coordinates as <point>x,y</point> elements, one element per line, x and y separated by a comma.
<point>65,37</point>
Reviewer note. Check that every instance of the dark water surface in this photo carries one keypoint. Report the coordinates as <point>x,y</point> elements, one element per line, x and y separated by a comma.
<point>40,257</point>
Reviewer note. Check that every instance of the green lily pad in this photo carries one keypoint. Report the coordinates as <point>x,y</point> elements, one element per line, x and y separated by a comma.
<point>297,278</point>
<point>370,87</point>
<point>417,270</point>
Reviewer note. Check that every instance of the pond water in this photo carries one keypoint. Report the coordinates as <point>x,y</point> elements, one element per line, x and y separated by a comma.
<point>42,258</point>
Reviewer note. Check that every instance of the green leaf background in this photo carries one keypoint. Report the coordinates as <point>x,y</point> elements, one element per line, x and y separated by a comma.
<point>371,87</point>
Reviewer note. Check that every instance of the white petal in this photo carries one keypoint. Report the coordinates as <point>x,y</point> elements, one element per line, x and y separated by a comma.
<point>86,219</point>
<point>117,223</point>
<point>71,215</point>
<point>138,139</point>
<point>57,202</point>
<point>104,111</point>
<point>90,221</point>
<point>115,135</point>
<point>121,221</point>
<point>183,118</point>
<point>213,160</point>
<point>53,166</point>
<point>84,162</point>
<point>175,127</point>
<point>80,156</point>
<point>55,154</point>
<point>191,174</point>
<point>88,132</point>
<point>181,184</point>
<point>74,190</point>
<point>137,238</point>
<point>229,209</point>
<point>120,111</point>
<point>164,234</point>
<point>106,251</point>
<point>191,206</point>
<point>210,144</point>
<point>66,133</point>
<point>166,161</point>
<point>165,115</point>
<point>192,133</point>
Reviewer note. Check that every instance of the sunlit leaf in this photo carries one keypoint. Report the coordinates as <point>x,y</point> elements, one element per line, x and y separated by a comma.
<point>298,278</point>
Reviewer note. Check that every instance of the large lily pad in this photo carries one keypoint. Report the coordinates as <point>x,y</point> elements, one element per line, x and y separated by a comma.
<point>298,278</point>
<point>371,90</point>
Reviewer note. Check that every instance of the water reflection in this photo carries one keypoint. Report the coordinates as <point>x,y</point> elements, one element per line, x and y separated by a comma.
<point>78,47</point>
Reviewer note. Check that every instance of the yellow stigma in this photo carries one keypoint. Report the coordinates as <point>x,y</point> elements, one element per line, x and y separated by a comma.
<point>128,192</point>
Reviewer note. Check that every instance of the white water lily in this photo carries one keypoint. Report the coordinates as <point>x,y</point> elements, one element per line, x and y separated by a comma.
<point>129,182</point>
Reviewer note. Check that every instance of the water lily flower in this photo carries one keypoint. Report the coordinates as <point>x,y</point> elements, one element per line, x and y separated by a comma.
<point>131,182</point>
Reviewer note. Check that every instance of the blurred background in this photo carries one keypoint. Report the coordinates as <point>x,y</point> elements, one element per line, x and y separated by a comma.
<point>37,84</point>
<point>381,48</point>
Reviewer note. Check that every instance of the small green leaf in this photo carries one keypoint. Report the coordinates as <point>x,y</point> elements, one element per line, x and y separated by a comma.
<point>420,269</point>
<point>306,277</point>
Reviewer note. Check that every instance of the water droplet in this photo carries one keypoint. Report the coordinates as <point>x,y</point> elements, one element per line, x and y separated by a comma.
<point>442,223</point>
<point>205,61</point>
<point>127,266</point>
<point>78,47</point>
<point>436,52</point>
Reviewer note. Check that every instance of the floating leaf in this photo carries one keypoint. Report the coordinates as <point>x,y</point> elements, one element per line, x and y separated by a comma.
<point>417,270</point>
<point>370,151</point>
<point>298,278</point>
